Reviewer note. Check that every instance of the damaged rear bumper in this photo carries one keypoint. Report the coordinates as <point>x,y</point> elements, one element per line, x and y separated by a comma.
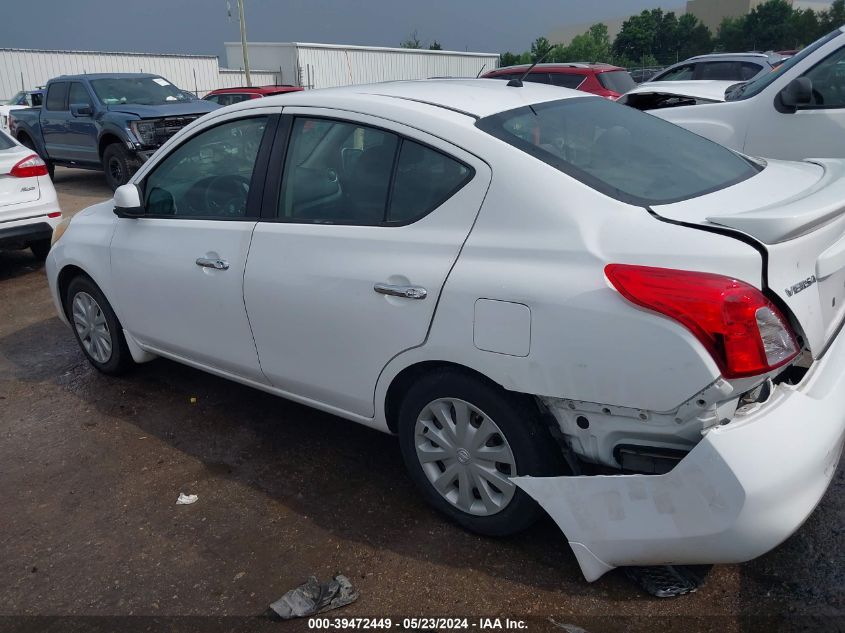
<point>743,490</point>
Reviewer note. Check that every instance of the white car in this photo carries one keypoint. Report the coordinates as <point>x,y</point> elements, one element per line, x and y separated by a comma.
<point>29,208</point>
<point>654,95</point>
<point>796,111</point>
<point>553,300</point>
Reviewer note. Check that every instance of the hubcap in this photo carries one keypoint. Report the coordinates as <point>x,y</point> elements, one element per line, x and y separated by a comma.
<point>465,456</point>
<point>116,170</point>
<point>91,327</point>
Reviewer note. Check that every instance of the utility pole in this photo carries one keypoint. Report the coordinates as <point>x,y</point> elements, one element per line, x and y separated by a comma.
<point>243,42</point>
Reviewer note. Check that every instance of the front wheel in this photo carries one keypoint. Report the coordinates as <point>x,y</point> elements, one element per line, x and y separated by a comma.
<point>118,165</point>
<point>463,438</point>
<point>96,327</point>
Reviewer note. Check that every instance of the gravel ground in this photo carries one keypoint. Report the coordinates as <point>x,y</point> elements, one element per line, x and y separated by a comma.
<point>90,468</point>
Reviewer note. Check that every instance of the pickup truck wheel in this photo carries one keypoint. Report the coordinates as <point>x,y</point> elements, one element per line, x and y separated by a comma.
<point>462,438</point>
<point>40,249</point>
<point>95,325</point>
<point>118,165</point>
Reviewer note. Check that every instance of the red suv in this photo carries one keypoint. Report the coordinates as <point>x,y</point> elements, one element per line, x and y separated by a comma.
<point>228,96</point>
<point>603,80</point>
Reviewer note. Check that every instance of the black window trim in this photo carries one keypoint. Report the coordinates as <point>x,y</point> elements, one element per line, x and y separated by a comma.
<point>259,172</point>
<point>491,126</point>
<point>275,178</point>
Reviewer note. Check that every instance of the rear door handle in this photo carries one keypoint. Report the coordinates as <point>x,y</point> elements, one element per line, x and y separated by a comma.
<point>216,264</point>
<point>406,292</point>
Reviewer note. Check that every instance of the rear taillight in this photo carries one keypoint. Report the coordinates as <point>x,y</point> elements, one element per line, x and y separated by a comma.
<point>743,331</point>
<point>29,167</point>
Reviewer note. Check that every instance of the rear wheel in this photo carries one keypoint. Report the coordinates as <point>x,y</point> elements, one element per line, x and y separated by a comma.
<point>40,249</point>
<point>96,327</point>
<point>463,438</point>
<point>118,165</point>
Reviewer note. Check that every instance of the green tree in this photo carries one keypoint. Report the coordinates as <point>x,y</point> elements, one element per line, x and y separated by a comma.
<point>767,26</point>
<point>651,33</point>
<point>731,35</point>
<point>693,37</point>
<point>435,46</point>
<point>803,27</point>
<point>592,46</point>
<point>413,41</point>
<point>831,19</point>
<point>508,59</point>
<point>540,48</point>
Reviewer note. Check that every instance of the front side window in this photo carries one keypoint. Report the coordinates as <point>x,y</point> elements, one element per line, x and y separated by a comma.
<point>209,175</point>
<point>621,152</point>
<point>828,79</point>
<point>57,95</point>
<point>79,95</point>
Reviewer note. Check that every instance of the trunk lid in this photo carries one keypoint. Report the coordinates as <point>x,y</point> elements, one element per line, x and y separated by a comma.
<point>15,191</point>
<point>796,211</point>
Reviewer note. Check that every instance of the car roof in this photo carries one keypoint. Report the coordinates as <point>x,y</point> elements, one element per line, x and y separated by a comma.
<point>476,98</point>
<point>559,67</point>
<point>763,57</point>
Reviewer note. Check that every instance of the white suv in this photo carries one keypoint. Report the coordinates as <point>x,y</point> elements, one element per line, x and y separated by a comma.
<point>29,208</point>
<point>546,295</point>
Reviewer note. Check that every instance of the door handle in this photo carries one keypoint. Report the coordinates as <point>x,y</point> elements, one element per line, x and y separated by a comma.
<point>406,292</point>
<point>216,264</point>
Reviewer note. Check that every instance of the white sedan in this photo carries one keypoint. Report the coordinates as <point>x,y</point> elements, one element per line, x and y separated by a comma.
<point>553,300</point>
<point>29,208</point>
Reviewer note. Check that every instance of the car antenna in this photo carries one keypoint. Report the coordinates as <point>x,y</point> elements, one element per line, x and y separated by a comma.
<point>517,83</point>
<point>481,71</point>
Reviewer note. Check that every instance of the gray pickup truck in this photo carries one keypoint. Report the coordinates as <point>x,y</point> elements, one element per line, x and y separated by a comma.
<point>112,122</point>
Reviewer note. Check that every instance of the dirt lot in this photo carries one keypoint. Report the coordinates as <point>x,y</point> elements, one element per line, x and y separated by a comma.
<point>90,468</point>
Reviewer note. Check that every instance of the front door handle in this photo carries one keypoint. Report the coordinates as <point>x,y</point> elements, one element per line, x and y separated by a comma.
<point>216,264</point>
<point>406,292</point>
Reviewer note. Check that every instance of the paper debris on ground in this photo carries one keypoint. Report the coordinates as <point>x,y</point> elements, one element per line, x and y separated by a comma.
<point>186,500</point>
<point>314,597</point>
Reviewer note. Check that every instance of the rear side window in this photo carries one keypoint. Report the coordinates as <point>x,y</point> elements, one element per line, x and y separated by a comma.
<point>340,172</point>
<point>617,81</point>
<point>57,95</point>
<point>619,151</point>
<point>424,180</point>
<point>6,141</point>
<point>566,80</point>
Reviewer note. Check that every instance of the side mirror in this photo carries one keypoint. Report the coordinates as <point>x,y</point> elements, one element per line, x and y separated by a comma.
<point>797,93</point>
<point>127,202</point>
<point>81,109</point>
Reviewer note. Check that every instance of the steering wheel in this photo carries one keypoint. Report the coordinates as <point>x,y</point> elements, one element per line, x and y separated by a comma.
<point>226,195</point>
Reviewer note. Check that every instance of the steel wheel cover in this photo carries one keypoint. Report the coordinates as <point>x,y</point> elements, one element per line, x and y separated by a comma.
<point>465,456</point>
<point>91,327</point>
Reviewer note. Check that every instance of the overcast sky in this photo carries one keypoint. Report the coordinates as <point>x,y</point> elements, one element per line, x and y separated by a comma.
<point>201,26</point>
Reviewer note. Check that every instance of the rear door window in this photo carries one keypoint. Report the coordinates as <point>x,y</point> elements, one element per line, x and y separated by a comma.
<point>623,153</point>
<point>57,96</point>
<point>567,80</point>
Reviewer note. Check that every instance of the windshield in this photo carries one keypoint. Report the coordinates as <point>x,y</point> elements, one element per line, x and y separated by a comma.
<point>617,81</point>
<point>138,90</point>
<point>619,151</point>
<point>16,100</point>
<point>756,86</point>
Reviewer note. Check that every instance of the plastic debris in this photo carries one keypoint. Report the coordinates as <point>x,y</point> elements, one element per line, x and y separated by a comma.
<point>314,597</point>
<point>186,500</point>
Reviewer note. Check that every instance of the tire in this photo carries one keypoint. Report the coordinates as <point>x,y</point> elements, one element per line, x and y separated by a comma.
<point>85,302</point>
<point>40,249</point>
<point>517,443</point>
<point>118,165</point>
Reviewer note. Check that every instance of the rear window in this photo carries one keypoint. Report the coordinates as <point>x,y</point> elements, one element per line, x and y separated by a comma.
<point>619,151</point>
<point>617,80</point>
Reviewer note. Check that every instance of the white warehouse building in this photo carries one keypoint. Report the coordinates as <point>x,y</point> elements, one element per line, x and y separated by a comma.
<point>26,69</point>
<point>330,65</point>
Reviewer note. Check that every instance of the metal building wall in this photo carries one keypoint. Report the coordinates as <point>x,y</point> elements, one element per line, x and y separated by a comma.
<point>23,68</point>
<point>328,65</point>
<point>323,66</point>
